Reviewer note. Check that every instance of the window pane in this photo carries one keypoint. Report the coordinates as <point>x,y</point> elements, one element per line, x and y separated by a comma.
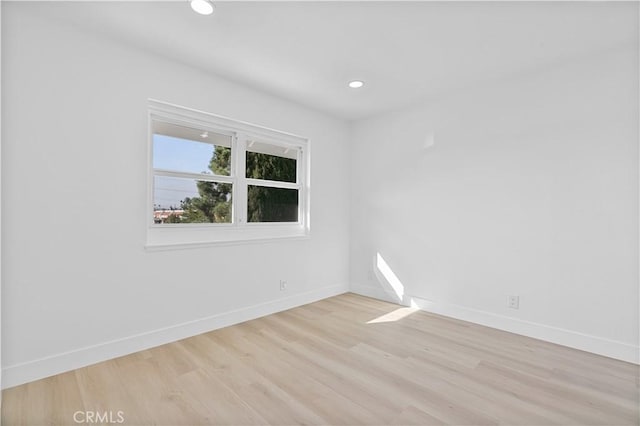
<point>267,204</point>
<point>271,162</point>
<point>190,150</point>
<point>178,200</point>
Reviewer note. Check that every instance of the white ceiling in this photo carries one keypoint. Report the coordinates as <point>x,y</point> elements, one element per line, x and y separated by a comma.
<point>404,51</point>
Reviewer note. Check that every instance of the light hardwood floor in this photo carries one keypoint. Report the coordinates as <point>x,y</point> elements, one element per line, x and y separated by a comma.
<point>347,360</point>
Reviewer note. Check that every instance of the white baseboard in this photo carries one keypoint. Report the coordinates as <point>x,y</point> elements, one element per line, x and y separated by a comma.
<point>18,374</point>
<point>594,344</point>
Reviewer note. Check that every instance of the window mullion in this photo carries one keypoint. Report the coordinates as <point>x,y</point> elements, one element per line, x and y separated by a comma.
<point>240,190</point>
<point>302,193</point>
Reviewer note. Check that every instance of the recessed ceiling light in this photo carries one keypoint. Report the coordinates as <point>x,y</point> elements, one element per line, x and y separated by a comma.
<point>204,135</point>
<point>203,7</point>
<point>356,84</point>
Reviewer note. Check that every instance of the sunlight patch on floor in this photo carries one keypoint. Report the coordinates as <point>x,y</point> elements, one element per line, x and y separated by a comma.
<point>393,316</point>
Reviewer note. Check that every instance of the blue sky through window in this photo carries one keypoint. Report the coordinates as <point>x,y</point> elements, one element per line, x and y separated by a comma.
<point>181,155</point>
<point>178,155</point>
<point>169,191</point>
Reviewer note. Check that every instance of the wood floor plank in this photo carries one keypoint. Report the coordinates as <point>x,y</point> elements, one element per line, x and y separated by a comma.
<point>268,401</point>
<point>345,360</point>
<point>383,409</point>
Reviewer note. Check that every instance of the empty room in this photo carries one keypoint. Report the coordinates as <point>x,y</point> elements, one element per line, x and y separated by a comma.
<point>319,213</point>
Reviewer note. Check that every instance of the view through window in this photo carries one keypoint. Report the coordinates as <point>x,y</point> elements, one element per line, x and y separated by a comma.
<point>272,171</point>
<point>214,179</point>
<point>195,177</point>
<point>192,170</point>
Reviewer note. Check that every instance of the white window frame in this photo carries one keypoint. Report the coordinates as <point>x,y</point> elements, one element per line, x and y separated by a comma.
<point>188,235</point>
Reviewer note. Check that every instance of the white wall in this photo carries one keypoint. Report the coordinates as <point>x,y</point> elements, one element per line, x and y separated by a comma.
<point>0,209</point>
<point>78,285</point>
<point>526,186</point>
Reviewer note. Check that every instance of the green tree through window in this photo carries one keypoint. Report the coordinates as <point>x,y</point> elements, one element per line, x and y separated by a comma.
<point>264,204</point>
<point>214,203</point>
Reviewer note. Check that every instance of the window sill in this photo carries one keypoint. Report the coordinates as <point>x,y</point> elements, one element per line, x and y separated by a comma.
<point>161,241</point>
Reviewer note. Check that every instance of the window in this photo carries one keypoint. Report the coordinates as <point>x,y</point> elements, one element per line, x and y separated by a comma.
<point>216,180</point>
<point>271,173</point>
<point>191,175</point>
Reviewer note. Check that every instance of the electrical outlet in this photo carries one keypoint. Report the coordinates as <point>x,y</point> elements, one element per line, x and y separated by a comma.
<point>283,285</point>
<point>513,302</point>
